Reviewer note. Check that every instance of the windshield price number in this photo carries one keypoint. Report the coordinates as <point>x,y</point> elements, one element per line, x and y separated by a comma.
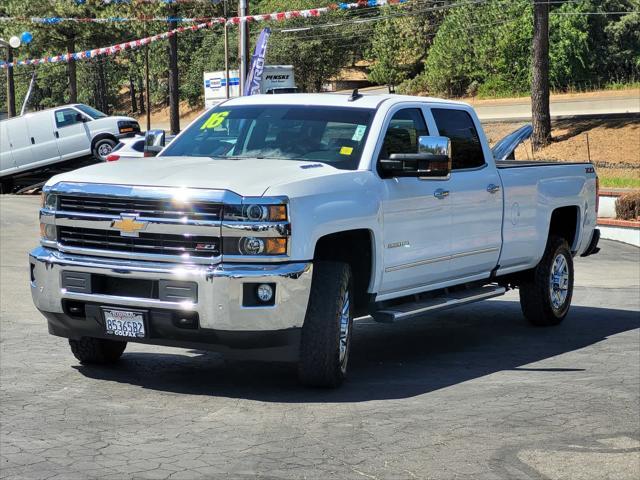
<point>124,323</point>
<point>214,121</point>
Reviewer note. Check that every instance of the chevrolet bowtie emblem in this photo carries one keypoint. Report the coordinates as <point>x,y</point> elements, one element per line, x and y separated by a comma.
<point>129,225</point>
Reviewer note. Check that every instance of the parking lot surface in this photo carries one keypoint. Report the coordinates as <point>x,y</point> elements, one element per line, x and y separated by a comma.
<point>472,393</point>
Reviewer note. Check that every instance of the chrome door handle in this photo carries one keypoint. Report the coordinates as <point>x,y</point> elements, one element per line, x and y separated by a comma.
<point>441,194</point>
<point>493,188</point>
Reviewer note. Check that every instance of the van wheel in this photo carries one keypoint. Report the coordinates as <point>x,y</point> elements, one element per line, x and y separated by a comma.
<point>97,350</point>
<point>326,334</point>
<point>103,148</point>
<point>545,297</point>
<point>6,185</point>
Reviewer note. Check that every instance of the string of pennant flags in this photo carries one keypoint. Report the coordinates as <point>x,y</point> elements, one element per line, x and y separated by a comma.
<point>134,44</point>
<point>142,18</point>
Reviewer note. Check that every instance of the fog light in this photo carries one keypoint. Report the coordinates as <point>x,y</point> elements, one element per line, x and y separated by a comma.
<point>48,231</point>
<point>264,292</point>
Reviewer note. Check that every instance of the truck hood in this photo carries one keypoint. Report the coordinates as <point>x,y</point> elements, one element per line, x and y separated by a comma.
<point>246,177</point>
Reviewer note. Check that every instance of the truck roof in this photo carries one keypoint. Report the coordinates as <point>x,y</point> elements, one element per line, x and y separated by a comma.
<point>335,100</point>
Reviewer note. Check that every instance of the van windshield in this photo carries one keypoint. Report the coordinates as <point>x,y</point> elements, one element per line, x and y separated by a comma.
<point>92,112</point>
<point>333,135</point>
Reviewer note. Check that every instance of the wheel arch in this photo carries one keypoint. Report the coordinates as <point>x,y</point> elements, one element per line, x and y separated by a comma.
<point>357,248</point>
<point>565,222</point>
<point>102,136</point>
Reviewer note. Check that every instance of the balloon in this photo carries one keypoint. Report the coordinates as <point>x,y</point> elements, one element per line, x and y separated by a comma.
<point>14,42</point>
<point>26,37</point>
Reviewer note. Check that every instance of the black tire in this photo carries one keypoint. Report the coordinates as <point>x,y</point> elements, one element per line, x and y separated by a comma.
<point>321,363</point>
<point>100,148</point>
<point>97,350</point>
<point>536,292</point>
<point>6,185</point>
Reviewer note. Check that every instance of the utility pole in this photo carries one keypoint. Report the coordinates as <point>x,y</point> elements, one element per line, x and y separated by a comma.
<point>174,86</point>
<point>226,51</point>
<point>243,31</point>
<point>146,85</point>
<point>540,110</point>
<point>11,88</point>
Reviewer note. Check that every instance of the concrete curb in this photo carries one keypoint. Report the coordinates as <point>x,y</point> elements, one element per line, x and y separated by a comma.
<point>626,231</point>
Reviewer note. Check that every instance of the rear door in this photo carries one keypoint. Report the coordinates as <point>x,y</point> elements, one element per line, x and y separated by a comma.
<point>416,215</point>
<point>73,135</point>
<point>21,143</point>
<point>40,129</point>
<point>475,198</point>
<point>6,157</point>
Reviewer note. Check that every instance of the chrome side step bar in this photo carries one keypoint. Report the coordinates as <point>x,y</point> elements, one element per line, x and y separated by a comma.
<point>450,300</point>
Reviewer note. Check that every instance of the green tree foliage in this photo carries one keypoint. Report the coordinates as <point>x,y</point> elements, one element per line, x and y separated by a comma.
<point>486,48</point>
<point>317,54</point>
<point>400,42</point>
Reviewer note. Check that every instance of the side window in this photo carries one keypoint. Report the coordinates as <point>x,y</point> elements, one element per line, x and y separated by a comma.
<point>66,117</point>
<point>466,149</point>
<point>403,131</point>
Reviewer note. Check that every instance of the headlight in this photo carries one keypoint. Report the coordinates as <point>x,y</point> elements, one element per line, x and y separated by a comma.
<point>255,213</point>
<point>49,201</point>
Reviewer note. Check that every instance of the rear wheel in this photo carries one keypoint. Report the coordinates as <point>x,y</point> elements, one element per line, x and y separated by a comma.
<point>6,185</point>
<point>103,148</point>
<point>326,334</point>
<point>545,297</point>
<point>97,350</point>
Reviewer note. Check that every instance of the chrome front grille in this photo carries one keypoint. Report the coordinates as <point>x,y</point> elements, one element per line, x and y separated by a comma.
<point>153,208</point>
<point>184,246</point>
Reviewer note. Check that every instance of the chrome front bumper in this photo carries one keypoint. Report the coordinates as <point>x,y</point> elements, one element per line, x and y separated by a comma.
<point>220,289</point>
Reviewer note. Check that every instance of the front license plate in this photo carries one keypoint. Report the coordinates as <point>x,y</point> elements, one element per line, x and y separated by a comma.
<point>124,323</point>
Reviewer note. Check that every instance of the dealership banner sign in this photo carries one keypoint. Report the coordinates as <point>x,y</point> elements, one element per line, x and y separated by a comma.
<point>252,87</point>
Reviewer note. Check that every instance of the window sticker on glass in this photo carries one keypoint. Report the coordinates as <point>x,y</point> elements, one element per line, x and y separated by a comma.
<point>359,133</point>
<point>346,150</point>
<point>60,116</point>
<point>215,120</point>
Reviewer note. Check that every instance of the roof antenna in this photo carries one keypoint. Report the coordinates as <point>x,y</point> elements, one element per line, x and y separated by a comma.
<point>354,95</point>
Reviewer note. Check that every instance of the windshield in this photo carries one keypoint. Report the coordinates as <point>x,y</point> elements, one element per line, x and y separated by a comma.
<point>333,135</point>
<point>92,112</point>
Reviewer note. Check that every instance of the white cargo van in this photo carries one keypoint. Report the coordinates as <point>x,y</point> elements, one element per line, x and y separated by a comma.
<point>275,79</point>
<point>59,134</point>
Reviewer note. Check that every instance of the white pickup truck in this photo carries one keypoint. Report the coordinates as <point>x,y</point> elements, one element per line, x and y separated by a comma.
<point>271,222</point>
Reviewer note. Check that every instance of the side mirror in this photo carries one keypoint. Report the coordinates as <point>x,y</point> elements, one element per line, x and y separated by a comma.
<point>80,118</point>
<point>433,160</point>
<point>154,141</point>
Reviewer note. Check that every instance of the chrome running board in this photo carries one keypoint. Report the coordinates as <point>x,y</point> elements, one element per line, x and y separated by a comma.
<point>442,302</point>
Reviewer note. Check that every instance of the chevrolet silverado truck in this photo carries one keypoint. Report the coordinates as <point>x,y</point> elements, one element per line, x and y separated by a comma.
<point>271,222</point>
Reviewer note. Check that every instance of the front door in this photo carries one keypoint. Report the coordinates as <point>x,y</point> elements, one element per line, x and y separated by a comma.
<point>416,215</point>
<point>74,138</point>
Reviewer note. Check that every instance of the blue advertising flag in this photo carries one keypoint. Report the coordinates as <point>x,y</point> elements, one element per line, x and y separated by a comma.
<point>252,85</point>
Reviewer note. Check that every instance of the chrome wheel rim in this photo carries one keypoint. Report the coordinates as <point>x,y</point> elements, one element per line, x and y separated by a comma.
<point>104,150</point>
<point>345,329</point>
<point>559,282</point>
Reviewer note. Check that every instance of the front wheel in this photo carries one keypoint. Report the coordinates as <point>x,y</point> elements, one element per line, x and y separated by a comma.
<point>103,148</point>
<point>326,334</point>
<point>545,297</point>
<point>97,350</point>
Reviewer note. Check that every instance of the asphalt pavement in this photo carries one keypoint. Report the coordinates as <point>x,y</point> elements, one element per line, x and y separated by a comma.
<point>473,393</point>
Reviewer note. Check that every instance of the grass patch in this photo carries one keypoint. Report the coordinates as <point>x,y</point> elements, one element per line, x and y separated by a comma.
<point>619,182</point>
